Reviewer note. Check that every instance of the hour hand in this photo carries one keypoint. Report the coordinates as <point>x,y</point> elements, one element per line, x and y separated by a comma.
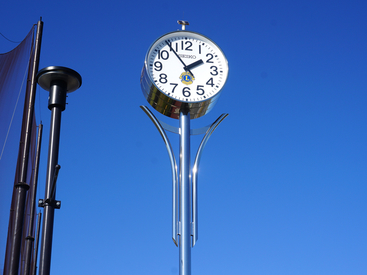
<point>193,65</point>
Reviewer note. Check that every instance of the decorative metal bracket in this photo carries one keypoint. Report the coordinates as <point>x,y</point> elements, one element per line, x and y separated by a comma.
<point>208,131</point>
<point>174,172</point>
<point>195,217</point>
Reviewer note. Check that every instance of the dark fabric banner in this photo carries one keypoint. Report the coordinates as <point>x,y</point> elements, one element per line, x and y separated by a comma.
<point>14,92</point>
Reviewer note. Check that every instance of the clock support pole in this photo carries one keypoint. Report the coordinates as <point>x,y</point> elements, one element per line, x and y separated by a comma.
<point>184,225</point>
<point>185,208</point>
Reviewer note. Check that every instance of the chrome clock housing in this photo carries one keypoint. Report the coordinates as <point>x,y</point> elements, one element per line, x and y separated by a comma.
<point>198,84</point>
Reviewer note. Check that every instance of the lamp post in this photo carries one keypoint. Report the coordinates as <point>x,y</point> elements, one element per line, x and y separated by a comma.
<point>58,81</point>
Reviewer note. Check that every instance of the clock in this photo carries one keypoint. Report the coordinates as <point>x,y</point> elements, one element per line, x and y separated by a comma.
<point>183,71</point>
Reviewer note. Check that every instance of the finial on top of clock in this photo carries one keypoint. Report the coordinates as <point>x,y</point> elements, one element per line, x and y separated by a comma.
<point>183,23</point>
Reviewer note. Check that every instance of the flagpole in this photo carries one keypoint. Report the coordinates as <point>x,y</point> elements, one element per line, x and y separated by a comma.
<point>38,228</point>
<point>30,237</point>
<point>22,186</point>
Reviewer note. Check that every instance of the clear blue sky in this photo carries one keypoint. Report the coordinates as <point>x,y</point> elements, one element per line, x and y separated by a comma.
<point>282,182</point>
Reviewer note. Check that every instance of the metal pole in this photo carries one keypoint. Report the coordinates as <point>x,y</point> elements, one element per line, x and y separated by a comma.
<point>37,243</point>
<point>22,186</point>
<point>59,81</point>
<point>185,209</point>
<point>160,128</point>
<point>53,156</point>
<point>30,237</point>
<point>184,227</point>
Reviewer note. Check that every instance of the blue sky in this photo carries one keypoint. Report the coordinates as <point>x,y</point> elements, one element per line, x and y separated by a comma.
<point>282,181</point>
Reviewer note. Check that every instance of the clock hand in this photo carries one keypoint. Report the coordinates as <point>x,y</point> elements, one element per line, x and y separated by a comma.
<point>187,70</point>
<point>169,45</point>
<point>194,65</point>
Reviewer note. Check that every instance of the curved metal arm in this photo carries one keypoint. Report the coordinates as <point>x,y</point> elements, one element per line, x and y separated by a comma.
<point>174,172</point>
<point>195,220</point>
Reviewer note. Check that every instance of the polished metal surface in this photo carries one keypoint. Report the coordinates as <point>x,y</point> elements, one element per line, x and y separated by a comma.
<point>168,106</point>
<point>185,209</point>
<point>176,130</point>
<point>185,226</point>
<point>174,173</point>
<point>195,216</point>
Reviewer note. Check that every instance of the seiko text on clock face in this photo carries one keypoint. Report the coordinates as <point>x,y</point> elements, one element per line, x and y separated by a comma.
<point>187,66</point>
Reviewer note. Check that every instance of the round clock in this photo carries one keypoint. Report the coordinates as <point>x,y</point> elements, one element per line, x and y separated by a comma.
<point>183,71</point>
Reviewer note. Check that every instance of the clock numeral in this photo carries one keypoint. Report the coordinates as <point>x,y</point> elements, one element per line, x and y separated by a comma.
<point>199,48</point>
<point>158,66</point>
<point>188,48</point>
<point>163,54</point>
<point>186,92</point>
<point>215,70</point>
<point>200,88</point>
<point>210,58</point>
<point>163,78</point>
<point>174,86</point>
<point>210,82</point>
<point>170,46</point>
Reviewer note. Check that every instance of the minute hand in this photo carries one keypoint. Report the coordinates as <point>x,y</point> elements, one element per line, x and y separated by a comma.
<point>185,67</point>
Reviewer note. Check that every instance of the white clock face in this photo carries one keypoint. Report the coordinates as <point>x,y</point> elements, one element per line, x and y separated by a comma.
<point>187,66</point>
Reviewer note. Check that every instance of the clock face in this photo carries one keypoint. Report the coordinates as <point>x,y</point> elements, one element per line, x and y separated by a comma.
<point>187,66</point>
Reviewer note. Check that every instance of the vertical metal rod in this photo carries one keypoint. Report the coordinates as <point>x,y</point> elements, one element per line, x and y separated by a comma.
<point>32,95</point>
<point>30,237</point>
<point>22,187</point>
<point>53,155</point>
<point>185,219</point>
<point>58,81</point>
<point>195,214</point>
<point>172,158</point>
<point>37,243</point>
